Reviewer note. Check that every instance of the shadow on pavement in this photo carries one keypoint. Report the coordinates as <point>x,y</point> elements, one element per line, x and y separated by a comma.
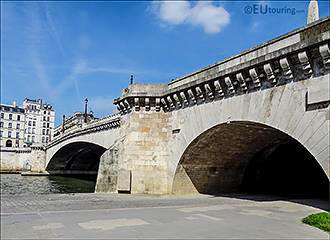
<point>322,204</point>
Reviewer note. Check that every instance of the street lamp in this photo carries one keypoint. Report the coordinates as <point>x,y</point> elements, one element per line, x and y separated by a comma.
<point>85,115</point>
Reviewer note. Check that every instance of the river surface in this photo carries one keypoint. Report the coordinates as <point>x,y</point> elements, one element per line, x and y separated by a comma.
<point>15,184</point>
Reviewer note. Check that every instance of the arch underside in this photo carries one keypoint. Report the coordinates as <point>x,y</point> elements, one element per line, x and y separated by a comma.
<point>78,158</point>
<point>247,156</point>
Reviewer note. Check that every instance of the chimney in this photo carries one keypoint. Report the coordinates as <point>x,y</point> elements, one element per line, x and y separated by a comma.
<point>14,103</point>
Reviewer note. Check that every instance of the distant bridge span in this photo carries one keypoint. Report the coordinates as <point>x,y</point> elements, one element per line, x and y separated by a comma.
<point>78,151</point>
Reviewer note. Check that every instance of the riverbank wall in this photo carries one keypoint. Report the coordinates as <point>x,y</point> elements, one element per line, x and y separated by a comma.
<point>13,160</point>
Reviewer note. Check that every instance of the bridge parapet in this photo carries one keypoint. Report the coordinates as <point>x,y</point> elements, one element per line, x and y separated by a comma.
<point>296,56</point>
<point>108,122</point>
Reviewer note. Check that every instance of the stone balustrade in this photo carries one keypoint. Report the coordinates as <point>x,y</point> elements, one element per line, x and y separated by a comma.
<point>108,122</point>
<point>296,56</point>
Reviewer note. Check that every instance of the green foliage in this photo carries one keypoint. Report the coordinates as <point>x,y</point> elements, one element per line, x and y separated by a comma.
<point>319,220</point>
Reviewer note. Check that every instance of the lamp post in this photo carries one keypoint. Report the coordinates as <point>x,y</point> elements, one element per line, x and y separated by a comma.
<point>63,122</point>
<point>85,115</point>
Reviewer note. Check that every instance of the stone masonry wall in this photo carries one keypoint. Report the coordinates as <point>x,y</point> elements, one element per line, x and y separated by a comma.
<point>145,150</point>
<point>107,177</point>
<point>17,160</point>
<point>12,161</point>
<point>38,159</point>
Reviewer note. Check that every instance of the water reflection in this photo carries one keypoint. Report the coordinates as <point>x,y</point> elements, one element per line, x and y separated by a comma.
<point>15,184</point>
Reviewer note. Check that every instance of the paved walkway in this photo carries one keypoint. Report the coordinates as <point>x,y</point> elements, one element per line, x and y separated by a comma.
<point>90,216</point>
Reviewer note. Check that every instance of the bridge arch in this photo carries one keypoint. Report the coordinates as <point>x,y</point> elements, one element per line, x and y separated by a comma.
<point>102,138</point>
<point>76,158</point>
<point>248,156</point>
<point>256,124</point>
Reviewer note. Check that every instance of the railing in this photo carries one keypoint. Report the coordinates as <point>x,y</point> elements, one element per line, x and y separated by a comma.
<point>15,150</point>
<point>105,123</point>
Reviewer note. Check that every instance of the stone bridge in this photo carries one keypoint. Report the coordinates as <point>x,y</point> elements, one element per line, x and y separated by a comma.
<point>78,151</point>
<point>258,121</point>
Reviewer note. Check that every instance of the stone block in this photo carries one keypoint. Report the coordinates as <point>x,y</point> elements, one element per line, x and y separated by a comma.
<point>319,92</point>
<point>124,180</point>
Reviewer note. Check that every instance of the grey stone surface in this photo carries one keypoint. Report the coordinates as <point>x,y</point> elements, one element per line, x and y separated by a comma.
<point>319,92</point>
<point>124,180</point>
<point>92,216</point>
<point>107,176</point>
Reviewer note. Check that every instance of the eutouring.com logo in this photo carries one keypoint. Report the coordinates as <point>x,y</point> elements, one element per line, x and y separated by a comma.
<point>264,9</point>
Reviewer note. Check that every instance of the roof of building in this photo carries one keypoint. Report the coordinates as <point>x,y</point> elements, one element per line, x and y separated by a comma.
<point>10,108</point>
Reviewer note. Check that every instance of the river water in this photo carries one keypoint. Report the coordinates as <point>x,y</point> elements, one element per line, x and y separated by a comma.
<point>15,184</point>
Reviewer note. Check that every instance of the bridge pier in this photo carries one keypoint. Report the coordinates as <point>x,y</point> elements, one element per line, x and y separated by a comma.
<point>107,177</point>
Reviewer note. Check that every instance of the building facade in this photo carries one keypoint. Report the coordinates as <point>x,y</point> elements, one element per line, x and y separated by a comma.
<point>28,125</point>
<point>39,121</point>
<point>73,122</point>
<point>12,125</point>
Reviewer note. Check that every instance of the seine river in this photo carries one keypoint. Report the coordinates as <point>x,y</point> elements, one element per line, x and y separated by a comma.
<point>15,184</point>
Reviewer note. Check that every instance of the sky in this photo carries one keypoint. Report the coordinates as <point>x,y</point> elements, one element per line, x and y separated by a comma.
<point>64,52</point>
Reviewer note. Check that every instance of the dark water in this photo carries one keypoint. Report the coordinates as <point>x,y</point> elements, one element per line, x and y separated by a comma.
<point>15,184</point>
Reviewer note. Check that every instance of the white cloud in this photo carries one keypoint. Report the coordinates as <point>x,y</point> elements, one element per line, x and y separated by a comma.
<point>174,12</point>
<point>256,25</point>
<point>53,29</point>
<point>210,17</point>
<point>77,69</point>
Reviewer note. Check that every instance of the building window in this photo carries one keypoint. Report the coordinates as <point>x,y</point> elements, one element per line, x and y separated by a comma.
<point>9,143</point>
<point>18,118</point>
<point>18,126</point>
<point>48,125</point>
<point>33,130</point>
<point>10,116</point>
<point>28,138</point>
<point>32,138</point>
<point>17,143</point>
<point>44,118</point>
<point>34,123</point>
<point>2,115</point>
<point>47,131</point>
<point>1,132</point>
<point>44,112</point>
<point>48,119</point>
<point>17,135</point>
<point>48,113</point>
<point>9,134</point>
<point>10,125</point>
<point>29,123</point>
<point>43,139</point>
<point>43,131</point>
<point>1,124</point>
<point>29,130</point>
<point>44,124</point>
<point>46,139</point>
